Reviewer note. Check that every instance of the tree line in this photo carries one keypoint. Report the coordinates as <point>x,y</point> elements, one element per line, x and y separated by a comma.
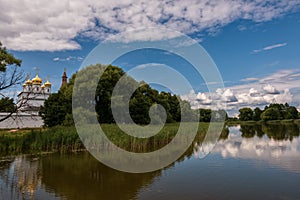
<point>273,111</point>
<point>57,109</point>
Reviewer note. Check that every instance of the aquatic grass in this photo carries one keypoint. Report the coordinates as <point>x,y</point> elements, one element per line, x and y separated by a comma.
<point>39,140</point>
<point>65,139</point>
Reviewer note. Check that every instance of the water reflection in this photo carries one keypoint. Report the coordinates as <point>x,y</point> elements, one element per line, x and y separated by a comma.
<point>68,177</point>
<point>278,145</point>
<point>80,176</point>
<point>20,179</point>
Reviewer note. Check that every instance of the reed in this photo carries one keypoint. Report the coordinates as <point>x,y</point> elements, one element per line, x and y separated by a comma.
<point>65,139</point>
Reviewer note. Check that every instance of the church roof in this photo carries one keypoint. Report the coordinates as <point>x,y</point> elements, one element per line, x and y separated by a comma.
<point>37,79</point>
<point>47,84</point>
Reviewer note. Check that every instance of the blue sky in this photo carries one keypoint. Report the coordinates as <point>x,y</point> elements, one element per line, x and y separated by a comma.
<point>255,44</point>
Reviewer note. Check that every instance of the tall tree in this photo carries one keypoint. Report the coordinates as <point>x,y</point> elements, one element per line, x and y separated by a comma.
<point>7,59</point>
<point>256,114</point>
<point>10,76</point>
<point>271,113</point>
<point>246,114</point>
<point>142,99</point>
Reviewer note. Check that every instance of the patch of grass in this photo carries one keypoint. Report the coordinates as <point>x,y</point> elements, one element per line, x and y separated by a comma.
<point>66,139</point>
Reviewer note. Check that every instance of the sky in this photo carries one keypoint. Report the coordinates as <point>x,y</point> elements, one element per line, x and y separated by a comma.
<point>254,44</point>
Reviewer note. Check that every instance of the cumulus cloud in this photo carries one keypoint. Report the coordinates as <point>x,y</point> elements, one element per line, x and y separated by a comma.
<point>269,89</point>
<point>273,88</point>
<point>56,25</point>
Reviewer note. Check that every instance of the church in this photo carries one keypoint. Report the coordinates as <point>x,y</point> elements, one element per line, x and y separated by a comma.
<point>33,95</point>
<point>30,99</point>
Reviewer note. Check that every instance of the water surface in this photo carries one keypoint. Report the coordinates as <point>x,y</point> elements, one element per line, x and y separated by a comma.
<point>252,162</point>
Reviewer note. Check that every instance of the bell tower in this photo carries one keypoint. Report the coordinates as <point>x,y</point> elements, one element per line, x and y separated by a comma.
<point>64,79</point>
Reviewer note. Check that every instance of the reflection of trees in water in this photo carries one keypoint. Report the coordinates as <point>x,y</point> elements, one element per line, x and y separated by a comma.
<point>274,131</point>
<point>20,179</point>
<point>72,176</point>
<point>80,175</point>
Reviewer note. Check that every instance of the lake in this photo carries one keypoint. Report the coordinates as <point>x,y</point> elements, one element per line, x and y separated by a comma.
<point>251,162</point>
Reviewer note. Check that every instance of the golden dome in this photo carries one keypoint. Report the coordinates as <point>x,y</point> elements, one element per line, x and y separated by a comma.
<point>47,84</point>
<point>37,80</point>
<point>43,86</point>
<point>24,85</point>
<point>28,82</point>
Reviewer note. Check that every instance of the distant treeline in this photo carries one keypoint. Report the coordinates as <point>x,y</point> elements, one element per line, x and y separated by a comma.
<point>57,109</point>
<point>272,112</point>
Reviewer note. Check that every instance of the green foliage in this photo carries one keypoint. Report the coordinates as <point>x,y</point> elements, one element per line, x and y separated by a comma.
<point>57,109</point>
<point>66,139</point>
<point>279,112</point>
<point>7,59</point>
<point>246,114</point>
<point>59,138</point>
<point>205,115</point>
<point>256,114</point>
<point>7,104</point>
<point>271,112</point>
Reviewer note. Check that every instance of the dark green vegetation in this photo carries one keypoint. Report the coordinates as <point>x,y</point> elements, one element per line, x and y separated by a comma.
<point>7,104</point>
<point>25,141</point>
<point>271,112</point>
<point>57,109</point>
<point>65,139</point>
<point>7,59</point>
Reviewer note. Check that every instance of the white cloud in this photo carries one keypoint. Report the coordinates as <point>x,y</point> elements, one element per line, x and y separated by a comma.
<point>55,25</point>
<point>283,154</point>
<point>280,87</point>
<point>269,89</point>
<point>249,79</point>
<point>267,48</point>
<point>69,58</point>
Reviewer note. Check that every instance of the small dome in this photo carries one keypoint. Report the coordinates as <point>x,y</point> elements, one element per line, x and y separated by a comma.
<point>47,84</point>
<point>24,85</point>
<point>28,82</point>
<point>43,86</point>
<point>37,80</point>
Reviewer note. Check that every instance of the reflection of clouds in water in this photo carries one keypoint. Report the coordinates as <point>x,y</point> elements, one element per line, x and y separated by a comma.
<point>284,154</point>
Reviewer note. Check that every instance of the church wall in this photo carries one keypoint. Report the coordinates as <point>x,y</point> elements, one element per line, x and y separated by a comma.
<point>23,120</point>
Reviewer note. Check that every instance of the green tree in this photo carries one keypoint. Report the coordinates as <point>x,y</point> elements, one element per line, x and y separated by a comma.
<point>10,76</point>
<point>139,105</point>
<point>256,114</point>
<point>7,59</point>
<point>291,113</point>
<point>246,114</point>
<point>205,115</point>
<point>7,104</point>
<point>271,113</point>
<point>57,109</point>
<point>219,115</point>
<point>286,111</point>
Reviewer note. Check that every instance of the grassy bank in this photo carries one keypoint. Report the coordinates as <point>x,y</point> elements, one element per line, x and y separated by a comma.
<point>39,140</point>
<point>65,139</point>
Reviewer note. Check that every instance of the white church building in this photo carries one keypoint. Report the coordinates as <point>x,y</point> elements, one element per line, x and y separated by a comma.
<point>33,95</point>
<point>30,99</point>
